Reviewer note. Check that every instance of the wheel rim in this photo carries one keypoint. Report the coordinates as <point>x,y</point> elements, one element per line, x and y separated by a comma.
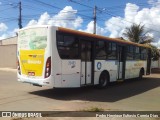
<point>103,81</point>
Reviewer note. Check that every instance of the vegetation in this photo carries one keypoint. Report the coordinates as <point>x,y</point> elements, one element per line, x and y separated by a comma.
<point>17,118</point>
<point>155,53</point>
<point>93,109</point>
<point>136,33</point>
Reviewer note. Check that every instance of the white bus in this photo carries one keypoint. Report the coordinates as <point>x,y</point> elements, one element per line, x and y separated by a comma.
<point>64,58</point>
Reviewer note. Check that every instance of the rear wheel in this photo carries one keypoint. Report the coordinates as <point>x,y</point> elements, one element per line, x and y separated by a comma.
<point>140,74</point>
<point>103,80</point>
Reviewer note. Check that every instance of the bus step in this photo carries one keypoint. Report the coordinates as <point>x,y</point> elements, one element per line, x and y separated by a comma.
<point>120,80</point>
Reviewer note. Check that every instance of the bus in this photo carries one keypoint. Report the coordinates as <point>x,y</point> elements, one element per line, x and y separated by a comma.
<point>64,58</point>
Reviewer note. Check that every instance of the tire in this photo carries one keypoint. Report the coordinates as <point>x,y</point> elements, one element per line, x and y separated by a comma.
<point>103,80</point>
<point>140,74</point>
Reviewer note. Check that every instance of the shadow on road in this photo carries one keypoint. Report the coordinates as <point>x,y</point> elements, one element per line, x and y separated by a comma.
<point>115,92</point>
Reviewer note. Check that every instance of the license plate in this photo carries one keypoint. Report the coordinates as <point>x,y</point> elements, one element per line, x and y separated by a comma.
<point>31,73</point>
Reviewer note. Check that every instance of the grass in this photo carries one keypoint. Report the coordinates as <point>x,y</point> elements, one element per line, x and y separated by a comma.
<point>17,118</point>
<point>93,109</point>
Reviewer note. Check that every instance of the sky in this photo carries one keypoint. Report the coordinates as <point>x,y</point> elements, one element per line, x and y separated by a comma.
<point>113,16</point>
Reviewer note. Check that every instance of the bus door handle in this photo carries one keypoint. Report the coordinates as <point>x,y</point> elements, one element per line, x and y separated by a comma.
<point>82,75</point>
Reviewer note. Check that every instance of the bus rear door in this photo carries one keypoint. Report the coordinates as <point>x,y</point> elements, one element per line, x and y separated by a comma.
<point>86,62</point>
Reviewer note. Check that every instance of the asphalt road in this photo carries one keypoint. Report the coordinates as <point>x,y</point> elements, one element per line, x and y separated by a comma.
<point>132,95</point>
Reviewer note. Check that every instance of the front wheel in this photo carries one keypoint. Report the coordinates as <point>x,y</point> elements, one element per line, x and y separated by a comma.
<point>103,80</point>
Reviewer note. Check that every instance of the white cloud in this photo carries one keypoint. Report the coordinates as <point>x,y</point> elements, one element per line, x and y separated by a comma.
<point>9,34</point>
<point>65,18</point>
<point>3,27</point>
<point>32,22</point>
<point>89,29</point>
<point>150,17</point>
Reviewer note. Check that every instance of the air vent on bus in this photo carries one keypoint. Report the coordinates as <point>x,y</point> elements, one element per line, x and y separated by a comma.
<point>48,67</point>
<point>18,67</point>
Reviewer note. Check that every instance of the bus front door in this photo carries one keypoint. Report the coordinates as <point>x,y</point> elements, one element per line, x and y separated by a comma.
<point>86,63</point>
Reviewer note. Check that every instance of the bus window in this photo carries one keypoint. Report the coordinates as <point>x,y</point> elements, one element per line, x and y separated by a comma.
<point>137,53</point>
<point>143,54</point>
<point>101,50</point>
<point>67,47</point>
<point>130,52</point>
<point>112,51</point>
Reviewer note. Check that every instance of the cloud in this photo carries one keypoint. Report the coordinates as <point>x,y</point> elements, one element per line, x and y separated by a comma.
<point>3,27</point>
<point>8,34</point>
<point>150,17</point>
<point>65,18</point>
<point>89,29</point>
<point>5,33</point>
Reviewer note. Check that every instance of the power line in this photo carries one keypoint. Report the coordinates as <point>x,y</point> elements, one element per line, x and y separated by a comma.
<point>112,15</point>
<point>81,4</point>
<point>46,4</point>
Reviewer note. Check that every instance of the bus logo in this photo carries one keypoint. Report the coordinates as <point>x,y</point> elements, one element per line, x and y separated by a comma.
<point>99,65</point>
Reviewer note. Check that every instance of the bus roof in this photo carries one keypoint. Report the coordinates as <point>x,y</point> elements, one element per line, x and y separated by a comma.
<point>66,30</point>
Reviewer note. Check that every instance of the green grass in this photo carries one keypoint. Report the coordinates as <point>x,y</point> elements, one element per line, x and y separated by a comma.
<point>17,119</point>
<point>93,109</point>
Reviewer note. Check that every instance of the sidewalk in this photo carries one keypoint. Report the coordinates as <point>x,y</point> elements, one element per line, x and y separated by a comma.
<point>155,70</point>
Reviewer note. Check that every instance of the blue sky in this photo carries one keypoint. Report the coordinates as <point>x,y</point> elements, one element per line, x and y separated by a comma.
<point>30,7</point>
<point>113,16</point>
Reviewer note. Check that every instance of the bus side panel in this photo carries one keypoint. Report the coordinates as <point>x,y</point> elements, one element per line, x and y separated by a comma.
<point>108,65</point>
<point>71,73</point>
<point>57,64</point>
<point>133,68</point>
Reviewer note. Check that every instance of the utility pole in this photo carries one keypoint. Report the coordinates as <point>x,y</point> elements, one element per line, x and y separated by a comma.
<point>95,19</point>
<point>20,16</point>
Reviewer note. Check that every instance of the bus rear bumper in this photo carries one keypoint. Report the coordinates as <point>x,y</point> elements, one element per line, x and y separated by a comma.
<point>37,82</point>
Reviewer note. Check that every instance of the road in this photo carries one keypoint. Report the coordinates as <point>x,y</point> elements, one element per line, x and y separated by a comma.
<point>132,95</point>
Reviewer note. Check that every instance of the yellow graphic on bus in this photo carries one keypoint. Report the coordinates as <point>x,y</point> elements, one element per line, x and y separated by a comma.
<point>32,62</point>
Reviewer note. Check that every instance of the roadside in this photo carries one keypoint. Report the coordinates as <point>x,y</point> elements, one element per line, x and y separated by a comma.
<point>132,95</point>
<point>8,69</point>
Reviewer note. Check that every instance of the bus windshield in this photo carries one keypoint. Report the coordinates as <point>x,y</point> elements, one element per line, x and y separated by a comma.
<point>33,39</point>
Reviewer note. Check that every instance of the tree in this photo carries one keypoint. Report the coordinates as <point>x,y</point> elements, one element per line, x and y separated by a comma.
<point>155,53</point>
<point>136,33</point>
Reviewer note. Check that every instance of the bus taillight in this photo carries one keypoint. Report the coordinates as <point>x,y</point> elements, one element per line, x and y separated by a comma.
<point>18,67</point>
<point>48,67</point>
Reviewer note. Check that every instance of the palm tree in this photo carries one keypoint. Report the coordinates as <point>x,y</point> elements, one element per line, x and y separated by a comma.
<point>136,33</point>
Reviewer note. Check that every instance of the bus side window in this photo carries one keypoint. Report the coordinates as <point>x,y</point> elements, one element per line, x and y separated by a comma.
<point>137,53</point>
<point>67,47</point>
<point>143,54</point>
<point>101,50</point>
<point>130,52</point>
<point>112,49</point>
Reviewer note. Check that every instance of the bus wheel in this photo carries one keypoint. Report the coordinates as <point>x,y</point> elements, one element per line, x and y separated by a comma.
<point>140,74</point>
<point>103,80</point>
